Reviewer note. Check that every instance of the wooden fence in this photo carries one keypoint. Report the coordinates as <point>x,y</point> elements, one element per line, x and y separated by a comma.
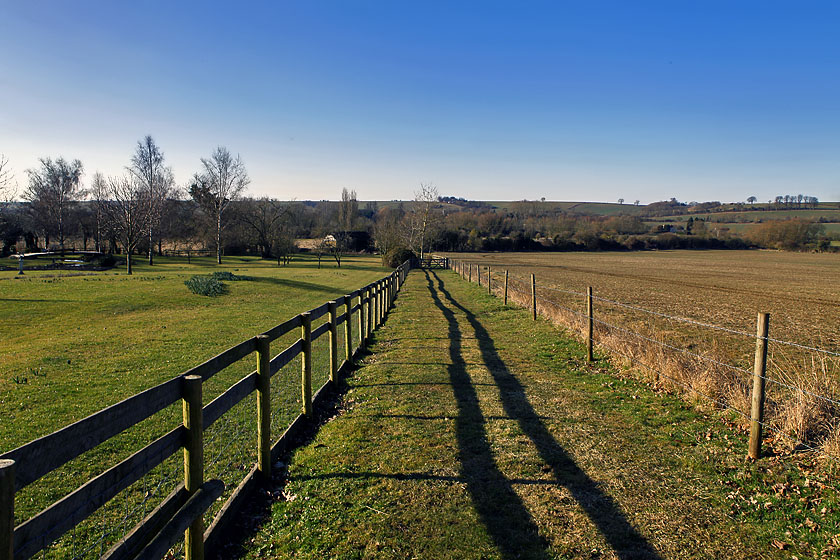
<point>180,513</point>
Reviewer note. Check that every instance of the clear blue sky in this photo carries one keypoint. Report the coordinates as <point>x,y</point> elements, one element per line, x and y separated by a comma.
<point>570,100</point>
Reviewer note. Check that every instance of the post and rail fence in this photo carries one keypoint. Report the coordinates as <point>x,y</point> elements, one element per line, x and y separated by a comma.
<point>584,320</point>
<point>179,516</point>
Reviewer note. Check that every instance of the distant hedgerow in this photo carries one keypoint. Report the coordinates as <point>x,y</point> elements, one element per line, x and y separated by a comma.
<point>206,286</point>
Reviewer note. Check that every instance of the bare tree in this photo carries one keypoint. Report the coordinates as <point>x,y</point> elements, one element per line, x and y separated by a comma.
<point>347,210</point>
<point>155,179</point>
<point>52,188</point>
<point>126,211</point>
<point>265,218</point>
<point>387,229</point>
<point>422,216</point>
<point>7,186</point>
<point>98,193</point>
<point>222,180</point>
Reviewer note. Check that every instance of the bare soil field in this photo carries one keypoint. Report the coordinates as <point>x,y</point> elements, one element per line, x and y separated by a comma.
<point>690,316</point>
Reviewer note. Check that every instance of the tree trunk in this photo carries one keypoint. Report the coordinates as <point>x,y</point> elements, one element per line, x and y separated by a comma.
<point>128,262</point>
<point>151,247</point>
<point>219,238</point>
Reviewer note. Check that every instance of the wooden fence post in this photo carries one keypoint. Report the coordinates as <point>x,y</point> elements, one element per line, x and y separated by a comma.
<point>371,310</point>
<point>362,321</point>
<point>348,331</point>
<point>469,278</point>
<point>489,283</point>
<point>759,372</point>
<point>306,363</point>
<point>478,273</point>
<point>7,509</point>
<point>331,306</point>
<point>506,279</point>
<point>533,297</point>
<point>590,324</point>
<point>264,406</point>
<point>193,461</point>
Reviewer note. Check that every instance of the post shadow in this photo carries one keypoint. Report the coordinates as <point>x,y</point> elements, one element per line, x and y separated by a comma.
<point>602,510</point>
<point>501,510</point>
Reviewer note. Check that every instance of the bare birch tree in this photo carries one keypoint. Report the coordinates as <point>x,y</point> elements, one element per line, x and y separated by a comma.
<point>222,180</point>
<point>126,211</point>
<point>52,188</point>
<point>422,216</point>
<point>156,181</point>
<point>7,185</point>
<point>98,193</point>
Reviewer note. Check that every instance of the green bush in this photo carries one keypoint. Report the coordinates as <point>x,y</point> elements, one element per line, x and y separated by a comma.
<point>206,286</point>
<point>225,276</point>
<point>395,257</point>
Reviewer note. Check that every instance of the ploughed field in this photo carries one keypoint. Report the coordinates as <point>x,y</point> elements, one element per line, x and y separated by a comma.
<point>641,297</point>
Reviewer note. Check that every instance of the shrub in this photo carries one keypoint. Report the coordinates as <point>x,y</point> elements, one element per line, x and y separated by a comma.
<point>206,286</point>
<point>395,257</point>
<point>222,276</point>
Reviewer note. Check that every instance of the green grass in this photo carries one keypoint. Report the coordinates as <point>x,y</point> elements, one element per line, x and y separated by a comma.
<point>473,432</point>
<point>75,343</point>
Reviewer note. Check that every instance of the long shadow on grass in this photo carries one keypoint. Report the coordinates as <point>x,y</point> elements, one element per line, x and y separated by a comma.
<point>604,512</point>
<point>500,508</point>
<point>309,286</point>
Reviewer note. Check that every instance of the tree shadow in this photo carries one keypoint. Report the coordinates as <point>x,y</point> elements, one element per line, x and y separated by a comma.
<point>295,284</point>
<point>602,510</point>
<point>501,510</point>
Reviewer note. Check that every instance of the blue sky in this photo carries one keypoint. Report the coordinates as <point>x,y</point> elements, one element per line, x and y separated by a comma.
<point>568,100</point>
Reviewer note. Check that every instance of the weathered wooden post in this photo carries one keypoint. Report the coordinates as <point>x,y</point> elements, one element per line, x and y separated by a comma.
<point>478,273</point>
<point>362,321</point>
<point>193,461</point>
<point>306,363</point>
<point>469,278</point>
<point>263,406</point>
<point>533,297</point>
<point>348,331</point>
<point>506,280</point>
<point>371,311</point>
<point>333,331</point>
<point>7,509</point>
<point>489,283</point>
<point>759,372</point>
<point>590,324</point>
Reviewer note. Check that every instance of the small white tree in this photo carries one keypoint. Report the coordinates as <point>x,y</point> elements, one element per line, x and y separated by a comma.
<point>156,181</point>
<point>422,216</point>
<point>222,180</point>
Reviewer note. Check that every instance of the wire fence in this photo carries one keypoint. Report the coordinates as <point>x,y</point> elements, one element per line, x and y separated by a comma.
<point>712,363</point>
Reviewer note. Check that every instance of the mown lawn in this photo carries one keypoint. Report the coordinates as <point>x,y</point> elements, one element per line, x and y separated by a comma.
<point>74,343</point>
<point>473,432</point>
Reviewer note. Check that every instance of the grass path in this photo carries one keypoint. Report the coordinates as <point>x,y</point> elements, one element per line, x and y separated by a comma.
<point>472,432</point>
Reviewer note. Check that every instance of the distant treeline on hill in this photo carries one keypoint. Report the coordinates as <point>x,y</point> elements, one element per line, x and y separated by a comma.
<point>269,227</point>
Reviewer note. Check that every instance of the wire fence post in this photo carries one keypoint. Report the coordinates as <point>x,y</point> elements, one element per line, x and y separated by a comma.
<point>348,330</point>
<point>506,280</point>
<point>331,307</point>
<point>306,363</point>
<point>533,297</point>
<point>489,284</point>
<point>263,406</point>
<point>193,461</point>
<point>759,371</point>
<point>590,327</point>
<point>7,509</point>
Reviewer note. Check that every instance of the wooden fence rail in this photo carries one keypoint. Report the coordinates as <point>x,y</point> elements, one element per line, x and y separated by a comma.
<point>181,512</point>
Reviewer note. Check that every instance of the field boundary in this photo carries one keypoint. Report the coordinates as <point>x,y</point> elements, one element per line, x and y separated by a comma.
<point>664,364</point>
<point>184,507</point>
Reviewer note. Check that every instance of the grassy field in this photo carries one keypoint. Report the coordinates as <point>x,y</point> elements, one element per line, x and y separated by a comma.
<point>74,343</point>
<point>471,431</point>
<point>722,288</point>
